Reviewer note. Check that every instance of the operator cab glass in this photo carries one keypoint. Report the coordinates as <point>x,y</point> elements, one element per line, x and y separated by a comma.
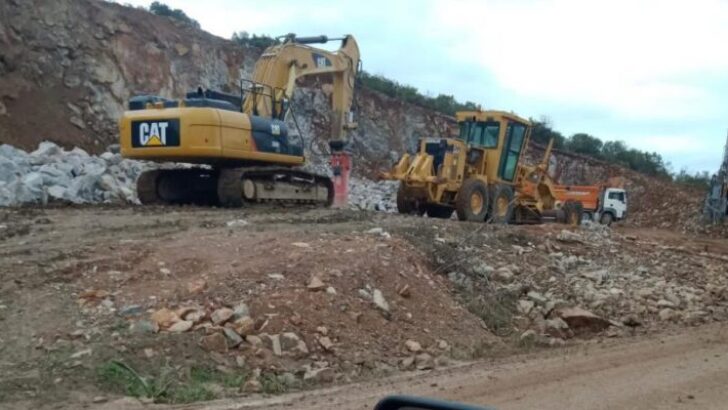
<point>515,134</point>
<point>480,133</point>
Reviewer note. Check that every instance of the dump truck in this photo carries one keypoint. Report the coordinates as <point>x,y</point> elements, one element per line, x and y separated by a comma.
<point>480,176</point>
<point>601,203</point>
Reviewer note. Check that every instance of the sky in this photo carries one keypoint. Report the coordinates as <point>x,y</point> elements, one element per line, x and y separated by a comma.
<point>651,73</point>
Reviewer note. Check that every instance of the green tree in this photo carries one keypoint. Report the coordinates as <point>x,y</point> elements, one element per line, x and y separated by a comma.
<point>243,38</point>
<point>443,103</point>
<point>584,144</point>
<point>698,179</point>
<point>542,133</point>
<point>162,9</point>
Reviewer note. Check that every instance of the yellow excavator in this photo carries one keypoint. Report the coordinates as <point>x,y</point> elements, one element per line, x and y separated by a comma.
<point>241,143</point>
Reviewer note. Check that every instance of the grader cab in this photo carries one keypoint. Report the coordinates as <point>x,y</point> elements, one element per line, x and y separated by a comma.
<point>479,174</point>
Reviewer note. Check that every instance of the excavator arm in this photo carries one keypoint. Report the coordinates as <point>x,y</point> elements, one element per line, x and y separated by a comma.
<point>278,68</point>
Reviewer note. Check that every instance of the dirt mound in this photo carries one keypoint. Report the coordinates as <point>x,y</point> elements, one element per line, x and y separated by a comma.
<point>354,299</point>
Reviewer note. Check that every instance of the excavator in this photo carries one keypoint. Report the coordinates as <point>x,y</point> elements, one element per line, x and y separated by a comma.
<point>716,200</point>
<point>240,145</point>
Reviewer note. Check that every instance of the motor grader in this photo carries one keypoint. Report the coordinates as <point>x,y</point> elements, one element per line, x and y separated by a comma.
<point>480,175</point>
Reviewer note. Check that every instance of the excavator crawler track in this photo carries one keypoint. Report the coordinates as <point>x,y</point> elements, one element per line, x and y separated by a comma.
<point>234,187</point>
<point>237,186</point>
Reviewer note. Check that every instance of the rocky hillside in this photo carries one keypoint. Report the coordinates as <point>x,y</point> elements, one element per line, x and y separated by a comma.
<point>68,67</point>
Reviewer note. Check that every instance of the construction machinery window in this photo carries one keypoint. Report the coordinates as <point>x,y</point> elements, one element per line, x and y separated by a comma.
<point>480,133</point>
<point>619,196</point>
<point>512,150</point>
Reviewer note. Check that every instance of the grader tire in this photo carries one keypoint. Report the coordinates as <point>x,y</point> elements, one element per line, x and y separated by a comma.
<point>405,205</point>
<point>501,205</point>
<point>471,203</point>
<point>572,212</point>
<point>439,211</point>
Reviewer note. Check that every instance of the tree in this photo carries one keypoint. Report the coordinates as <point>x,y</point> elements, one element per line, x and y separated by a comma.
<point>698,179</point>
<point>584,144</point>
<point>542,133</point>
<point>246,40</point>
<point>162,9</point>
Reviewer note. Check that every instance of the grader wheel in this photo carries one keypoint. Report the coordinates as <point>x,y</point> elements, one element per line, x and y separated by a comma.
<point>472,201</point>
<point>501,210</point>
<point>572,212</point>
<point>439,211</point>
<point>406,205</point>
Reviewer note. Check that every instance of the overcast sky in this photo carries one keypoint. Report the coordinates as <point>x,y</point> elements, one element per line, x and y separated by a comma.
<point>651,73</point>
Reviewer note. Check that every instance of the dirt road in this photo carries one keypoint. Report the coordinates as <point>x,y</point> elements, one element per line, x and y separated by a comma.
<point>688,370</point>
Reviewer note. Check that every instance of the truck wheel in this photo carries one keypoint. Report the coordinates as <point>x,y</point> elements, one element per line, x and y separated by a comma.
<point>606,219</point>
<point>472,201</point>
<point>501,209</point>
<point>572,212</point>
<point>439,211</point>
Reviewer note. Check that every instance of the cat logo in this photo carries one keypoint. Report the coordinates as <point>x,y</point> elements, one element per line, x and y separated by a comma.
<point>153,134</point>
<point>275,129</point>
<point>159,133</point>
<point>320,61</point>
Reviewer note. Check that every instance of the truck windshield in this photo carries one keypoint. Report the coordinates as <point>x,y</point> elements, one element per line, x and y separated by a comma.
<point>619,196</point>
<point>480,133</point>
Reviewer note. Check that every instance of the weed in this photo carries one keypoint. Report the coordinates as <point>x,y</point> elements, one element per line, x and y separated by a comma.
<point>496,309</point>
<point>271,384</point>
<point>119,376</point>
<point>189,393</point>
<point>211,375</point>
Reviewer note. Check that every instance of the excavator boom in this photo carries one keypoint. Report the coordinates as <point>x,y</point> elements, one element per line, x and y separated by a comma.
<point>280,66</point>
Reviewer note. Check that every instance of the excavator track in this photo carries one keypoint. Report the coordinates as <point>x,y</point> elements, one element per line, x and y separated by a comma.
<point>237,186</point>
<point>234,187</point>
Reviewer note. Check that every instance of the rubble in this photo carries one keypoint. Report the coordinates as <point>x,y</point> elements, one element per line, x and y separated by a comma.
<point>51,174</point>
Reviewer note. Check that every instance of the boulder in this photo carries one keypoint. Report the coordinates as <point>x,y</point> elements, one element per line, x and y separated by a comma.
<point>221,315</point>
<point>379,301</point>
<point>233,338</point>
<point>413,346</point>
<point>215,342</point>
<point>181,326</point>
<point>291,342</point>
<point>580,320</point>
<point>164,318</point>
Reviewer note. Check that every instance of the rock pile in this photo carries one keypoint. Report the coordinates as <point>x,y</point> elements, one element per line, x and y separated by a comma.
<point>591,280</point>
<point>373,195</point>
<point>51,173</point>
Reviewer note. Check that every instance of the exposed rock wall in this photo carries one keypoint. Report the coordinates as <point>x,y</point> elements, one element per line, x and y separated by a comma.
<point>67,67</point>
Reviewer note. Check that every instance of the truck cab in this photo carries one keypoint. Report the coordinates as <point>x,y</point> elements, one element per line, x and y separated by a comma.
<point>613,206</point>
